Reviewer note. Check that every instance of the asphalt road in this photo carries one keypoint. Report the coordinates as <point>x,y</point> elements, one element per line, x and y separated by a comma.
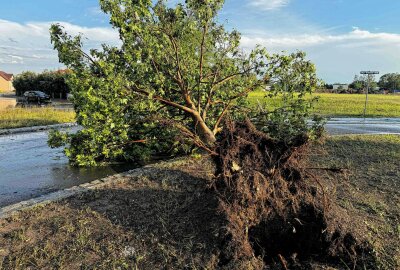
<point>29,168</point>
<point>343,126</point>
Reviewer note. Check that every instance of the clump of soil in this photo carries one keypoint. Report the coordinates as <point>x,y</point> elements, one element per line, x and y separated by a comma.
<point>276,216</point>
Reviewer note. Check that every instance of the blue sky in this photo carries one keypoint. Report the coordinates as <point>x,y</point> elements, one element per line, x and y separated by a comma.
<point>341,36</point>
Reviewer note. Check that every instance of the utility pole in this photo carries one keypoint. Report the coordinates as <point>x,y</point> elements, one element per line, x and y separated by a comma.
<point>369,77</point>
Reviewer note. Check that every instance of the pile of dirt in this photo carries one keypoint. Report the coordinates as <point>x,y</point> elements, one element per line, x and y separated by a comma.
<point>277,215</point>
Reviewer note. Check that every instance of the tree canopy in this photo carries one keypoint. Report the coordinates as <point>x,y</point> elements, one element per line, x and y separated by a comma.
<point>390,81</point>
<point>176,75</point>
<point>360,83</point>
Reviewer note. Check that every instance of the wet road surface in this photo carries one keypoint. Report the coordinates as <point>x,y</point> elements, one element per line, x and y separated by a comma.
<point>29,168</point>
<point>343,126</point>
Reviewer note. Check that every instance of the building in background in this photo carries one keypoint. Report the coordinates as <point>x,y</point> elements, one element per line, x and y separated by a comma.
<point>340,86</point>
<point>6,80</point>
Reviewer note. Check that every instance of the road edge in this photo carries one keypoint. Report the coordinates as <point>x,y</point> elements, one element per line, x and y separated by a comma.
<point>11,131</point>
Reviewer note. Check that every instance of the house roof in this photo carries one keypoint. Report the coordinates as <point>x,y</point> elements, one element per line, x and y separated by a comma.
<point>6,76</point>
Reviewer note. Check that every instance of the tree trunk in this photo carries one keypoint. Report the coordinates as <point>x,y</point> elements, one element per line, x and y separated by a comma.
<point>206,135</point>
<point>204,132</point>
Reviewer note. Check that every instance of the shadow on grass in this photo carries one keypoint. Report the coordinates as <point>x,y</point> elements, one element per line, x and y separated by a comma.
<point>169,211</point>
<point>163,219</point>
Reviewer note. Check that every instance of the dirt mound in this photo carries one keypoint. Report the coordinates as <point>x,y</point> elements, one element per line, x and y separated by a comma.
<point>276,216</point>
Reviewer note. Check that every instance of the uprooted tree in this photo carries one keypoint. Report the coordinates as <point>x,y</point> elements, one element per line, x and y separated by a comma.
<point>179,80</point>
<point>175,77</point>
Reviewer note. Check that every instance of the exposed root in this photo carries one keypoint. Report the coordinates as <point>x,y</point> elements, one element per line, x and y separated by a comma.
<point>276,216</point>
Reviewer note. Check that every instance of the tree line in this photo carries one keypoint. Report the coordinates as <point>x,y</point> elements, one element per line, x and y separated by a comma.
<point>387,82</point>
<point>52,83</point>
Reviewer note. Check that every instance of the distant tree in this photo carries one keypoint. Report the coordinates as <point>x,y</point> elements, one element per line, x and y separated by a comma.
<point>25,81</point>
<point>390,81</point>
<point>360,83</point>
<point>177,75</point>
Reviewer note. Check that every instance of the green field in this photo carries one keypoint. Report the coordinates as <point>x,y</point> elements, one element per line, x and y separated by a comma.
<point>344,105</point>
<point>338,105</point>
<point>21,117</point>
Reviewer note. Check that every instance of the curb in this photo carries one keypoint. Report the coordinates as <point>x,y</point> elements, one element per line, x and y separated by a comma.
<point>35,128</point>
<point>43,200</point>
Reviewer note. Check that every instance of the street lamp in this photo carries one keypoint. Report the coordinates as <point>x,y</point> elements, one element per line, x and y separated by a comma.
<point>369,74</point>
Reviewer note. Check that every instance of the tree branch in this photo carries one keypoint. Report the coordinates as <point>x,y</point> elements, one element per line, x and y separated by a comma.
<point>205,28</point>
<point>179,79</point>
<point>221,116</point>
<point>208,103</point>
<point>189,134</point>
<point>162,100</point>
<point>227,78</point>
<point>214,84</point>
<point>227,106</point>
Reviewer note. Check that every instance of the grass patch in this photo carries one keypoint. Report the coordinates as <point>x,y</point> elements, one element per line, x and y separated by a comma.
<point>343,105</point>
<point>22,117</point>
<point>369,189</point>
<point>166,219</point>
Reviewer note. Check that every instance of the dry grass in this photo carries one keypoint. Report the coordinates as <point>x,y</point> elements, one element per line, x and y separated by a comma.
<point>369,189</point>
<point>27,117</point>
<point>166,219</point>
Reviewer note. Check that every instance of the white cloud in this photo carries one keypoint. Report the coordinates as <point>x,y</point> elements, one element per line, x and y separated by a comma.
<point>269,4</point>
<point>337,56</point>
<point>28,47</point>
<point>11,59</point>
<point>355,38</point>
<point>93,34</point>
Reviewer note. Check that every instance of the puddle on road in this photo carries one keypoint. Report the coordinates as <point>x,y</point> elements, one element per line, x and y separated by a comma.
<point>29,168</point>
